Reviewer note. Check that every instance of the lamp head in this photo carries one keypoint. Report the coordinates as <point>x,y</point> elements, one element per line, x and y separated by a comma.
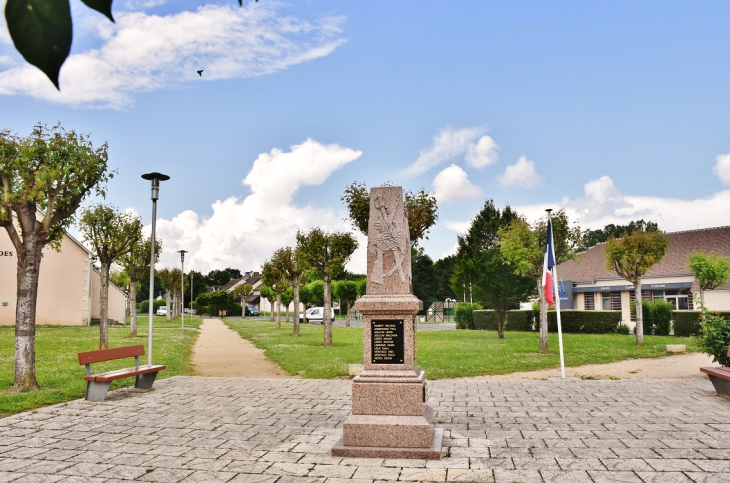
<point>155,178</point>
<point>182,254</point>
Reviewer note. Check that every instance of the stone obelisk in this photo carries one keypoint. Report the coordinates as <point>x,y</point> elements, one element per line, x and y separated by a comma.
<point>390,417</point>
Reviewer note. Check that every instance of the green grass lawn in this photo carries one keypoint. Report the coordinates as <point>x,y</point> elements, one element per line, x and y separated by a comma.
<point>445,354</point>
<point>57,366</point>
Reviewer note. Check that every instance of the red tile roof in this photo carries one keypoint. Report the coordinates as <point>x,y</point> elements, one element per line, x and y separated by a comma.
<point>591,264</point>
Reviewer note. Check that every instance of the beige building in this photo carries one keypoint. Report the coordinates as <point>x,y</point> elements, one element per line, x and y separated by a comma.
<point>68,288</point>
<point>588,285</point>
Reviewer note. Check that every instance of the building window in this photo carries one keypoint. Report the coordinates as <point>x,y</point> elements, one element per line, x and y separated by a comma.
<point>615,300</point>
<point>588,301</point>
<point>605,301</point>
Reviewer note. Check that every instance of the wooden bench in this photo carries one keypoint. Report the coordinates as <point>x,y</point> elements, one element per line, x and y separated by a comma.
<point>719,376</point>
<point>97,385</point>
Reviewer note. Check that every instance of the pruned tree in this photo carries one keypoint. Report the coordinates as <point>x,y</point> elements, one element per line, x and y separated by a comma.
<point>523,248</point>
<point>287,296</point>
<point>275,275</point>
<point>346,292</point>
<point>421,207</point>
<point>169,280</point>
<point>327,253</point>
<point>136,263</point>
<point>43,179</point>
<point>243,290</point>
<point>479,262</point>
<point>710,271</point>
<point>631,257</point>
<point>110,233</point>
<point>268,293</point>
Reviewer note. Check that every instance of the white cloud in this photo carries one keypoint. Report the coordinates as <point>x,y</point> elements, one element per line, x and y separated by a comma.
<point>452,185</point>
<point>521,174</point>
<point>458,226</point>
<point>483,153</point>
<point>243,233</point>
<point>143,4</point>
<point>143,52</point>
<point>604,204</point>
<point>446,144</point>
<point>722,168</point>
<point>6,60</point>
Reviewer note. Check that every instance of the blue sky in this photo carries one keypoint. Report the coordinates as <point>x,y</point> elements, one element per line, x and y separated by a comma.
<point>614,111</point>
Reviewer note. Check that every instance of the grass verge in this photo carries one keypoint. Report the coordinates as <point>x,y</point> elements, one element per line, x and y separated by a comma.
<point>446,353</point>
<point>57,366</point>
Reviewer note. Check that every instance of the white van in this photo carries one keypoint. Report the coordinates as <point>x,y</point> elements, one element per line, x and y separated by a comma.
<point>315,315</point>
<point>162,310</point>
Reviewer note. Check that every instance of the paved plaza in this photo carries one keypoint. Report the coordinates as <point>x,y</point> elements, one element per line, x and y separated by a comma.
<point>281,430</point>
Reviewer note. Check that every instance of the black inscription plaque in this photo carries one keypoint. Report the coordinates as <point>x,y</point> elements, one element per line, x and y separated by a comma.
<point>387,341</point>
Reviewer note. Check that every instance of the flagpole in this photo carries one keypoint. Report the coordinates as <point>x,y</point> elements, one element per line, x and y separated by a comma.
<point>556,290</point>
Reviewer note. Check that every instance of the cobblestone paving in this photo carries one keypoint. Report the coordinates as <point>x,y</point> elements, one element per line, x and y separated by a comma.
<point>281,431</point>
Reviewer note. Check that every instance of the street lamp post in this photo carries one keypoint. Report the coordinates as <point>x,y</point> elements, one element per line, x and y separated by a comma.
<point>191,295</point>
<point>182,286</point>
<point>463,285</point>
<point>155,179</point>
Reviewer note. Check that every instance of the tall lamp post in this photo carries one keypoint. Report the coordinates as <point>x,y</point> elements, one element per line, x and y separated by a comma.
<point>155,179</point>
<point>182,286</point>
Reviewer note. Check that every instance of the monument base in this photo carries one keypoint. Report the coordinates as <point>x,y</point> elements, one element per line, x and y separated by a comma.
<point>431,453</point>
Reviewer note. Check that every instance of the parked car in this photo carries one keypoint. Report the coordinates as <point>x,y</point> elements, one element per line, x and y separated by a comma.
<point>251,310</point>
<point>162,310</point>
<point>315,315</point>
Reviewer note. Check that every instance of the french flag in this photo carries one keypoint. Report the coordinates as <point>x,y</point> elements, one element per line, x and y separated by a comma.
<point>547,267</point>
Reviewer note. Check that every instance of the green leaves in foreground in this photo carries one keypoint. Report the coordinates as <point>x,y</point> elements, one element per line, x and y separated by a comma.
<point>41,31</point>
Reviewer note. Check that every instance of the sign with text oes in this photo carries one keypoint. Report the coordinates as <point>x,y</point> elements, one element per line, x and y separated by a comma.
<point>387,342</point>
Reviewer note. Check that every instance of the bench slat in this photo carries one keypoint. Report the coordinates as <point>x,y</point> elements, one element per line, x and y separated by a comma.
<point>122,373</point>
<point>721,372</point>
<point>110,354</point>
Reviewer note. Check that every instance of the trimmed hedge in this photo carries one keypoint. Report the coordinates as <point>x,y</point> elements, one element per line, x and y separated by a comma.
<point>657,317</point>
<point>686,323</point>
<point>464,315</point>
<point>520,321</point>
<point>585,321</point>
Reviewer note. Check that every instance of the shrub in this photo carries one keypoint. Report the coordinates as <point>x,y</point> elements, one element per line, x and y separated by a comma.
<point>585,321</point>
<point>485,319</point>
<point>144,306</point>
<point>623,329</point>
<point>715,338</point>
<point>686,323</point>
<point>657,317</point>
<point>464,315</point>
<point>520,321</point>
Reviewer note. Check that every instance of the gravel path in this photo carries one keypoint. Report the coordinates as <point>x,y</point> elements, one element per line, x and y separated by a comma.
<point>221,352</point>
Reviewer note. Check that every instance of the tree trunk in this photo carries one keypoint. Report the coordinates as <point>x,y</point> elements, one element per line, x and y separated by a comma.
<point>132,308</point>
<point>271,310</point>
<point>169,307</point>
<point>104,300</point>
<point>296,305</point>
<point>639,313</point>
<point>287,313</point>
<point>501,316</point>
<point>347,314</point>
<point>243,307</point>
<point>702,299</point>
<point>29,264</point>
<point>326,317</point>
<point>543,319</point>
<point>278,311</point>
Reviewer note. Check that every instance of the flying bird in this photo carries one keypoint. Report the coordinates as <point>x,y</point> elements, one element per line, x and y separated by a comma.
<point>200,72</point>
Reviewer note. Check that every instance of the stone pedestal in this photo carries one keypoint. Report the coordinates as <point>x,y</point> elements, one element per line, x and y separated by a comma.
<point>390,417</point>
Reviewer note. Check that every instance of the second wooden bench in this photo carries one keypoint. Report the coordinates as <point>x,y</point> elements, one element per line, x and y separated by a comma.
<point>719,376</point>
